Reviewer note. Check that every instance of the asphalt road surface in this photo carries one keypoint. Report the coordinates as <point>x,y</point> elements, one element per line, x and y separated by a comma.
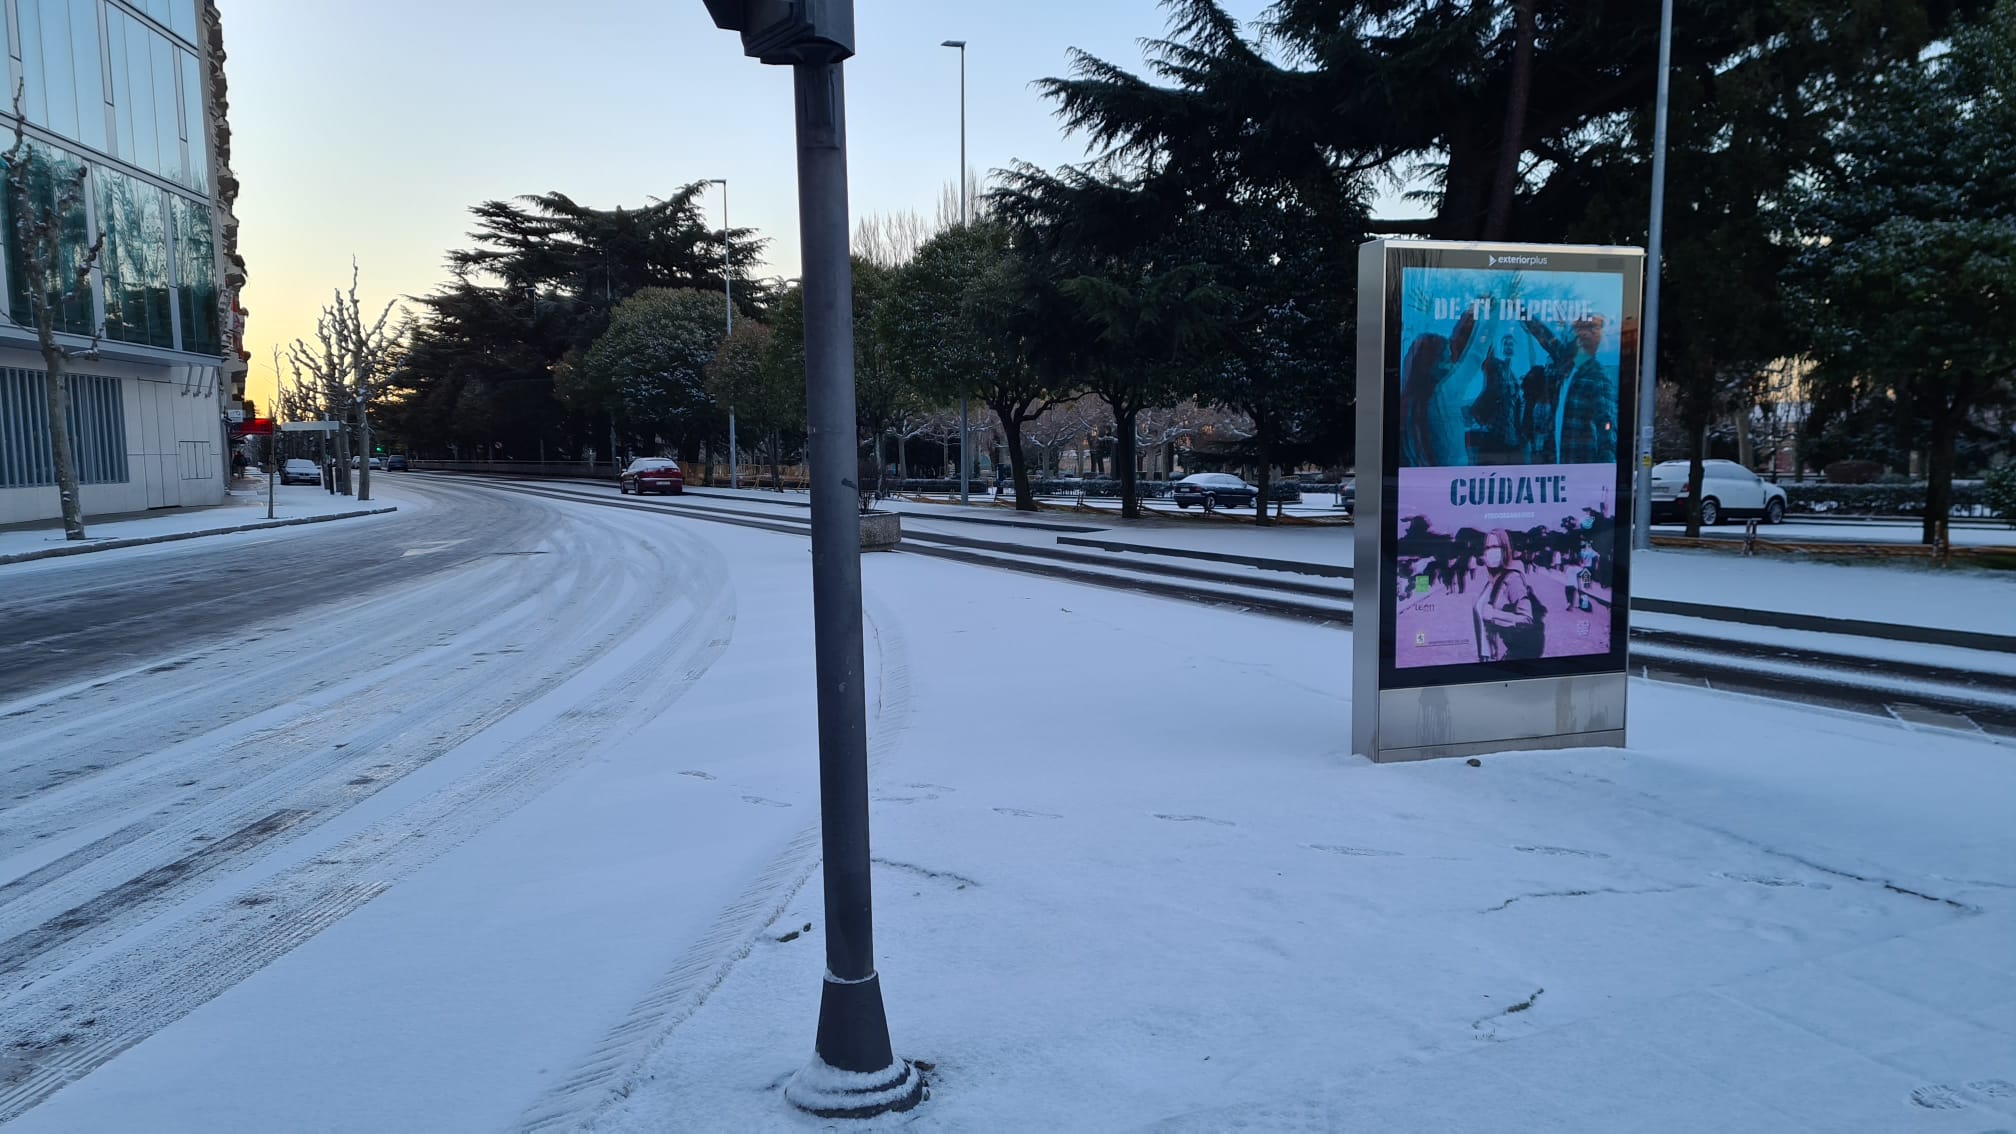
<point>75,618</point>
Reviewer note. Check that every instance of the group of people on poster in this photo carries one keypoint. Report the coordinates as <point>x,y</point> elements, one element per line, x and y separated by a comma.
<point>1482,408</point>
<point>1509,427</point>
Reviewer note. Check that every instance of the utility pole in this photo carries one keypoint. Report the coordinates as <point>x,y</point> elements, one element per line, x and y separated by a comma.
<point>854,1072</point>
<point>965,420</point>
<point>728,292</point>
<point>1648,341</point>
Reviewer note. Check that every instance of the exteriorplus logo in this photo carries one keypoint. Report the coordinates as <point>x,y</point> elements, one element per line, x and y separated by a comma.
<point>1537,261</point>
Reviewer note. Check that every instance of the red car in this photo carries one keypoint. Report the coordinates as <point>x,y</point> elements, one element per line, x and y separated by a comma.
<point>652,474</point>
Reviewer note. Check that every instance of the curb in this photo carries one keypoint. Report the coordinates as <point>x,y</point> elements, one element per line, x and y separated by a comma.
<point>1771,619</point>
<point>173,537</point>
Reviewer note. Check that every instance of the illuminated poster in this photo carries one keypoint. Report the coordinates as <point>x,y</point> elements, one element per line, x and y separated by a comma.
<point>1505,379</point>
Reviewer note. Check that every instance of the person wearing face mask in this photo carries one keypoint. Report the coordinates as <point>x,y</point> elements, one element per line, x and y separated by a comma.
<point>1510,620</point>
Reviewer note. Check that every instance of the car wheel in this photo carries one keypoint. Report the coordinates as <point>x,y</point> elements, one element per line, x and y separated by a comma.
<point>622,489</point>
<point>680,491</point>
<point>1774,512</point>
<point>1711,512</point>
<point>1182,505</point>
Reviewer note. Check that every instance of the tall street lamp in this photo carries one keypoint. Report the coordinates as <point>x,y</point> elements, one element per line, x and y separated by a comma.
<point>965,428</point>
<point>1648,341</point>
<point>728,294</point>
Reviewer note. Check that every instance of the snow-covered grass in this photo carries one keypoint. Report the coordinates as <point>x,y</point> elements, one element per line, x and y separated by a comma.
<point>1172,900</point>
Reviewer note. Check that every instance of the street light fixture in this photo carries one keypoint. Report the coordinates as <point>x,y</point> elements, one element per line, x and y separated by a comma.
<point>728,294</point>
<point>965,428</point>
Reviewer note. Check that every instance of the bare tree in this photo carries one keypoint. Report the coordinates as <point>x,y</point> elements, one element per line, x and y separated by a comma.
<point>1059,425</point>
<point>52,285</point>
<point>891,239</point>
<point>351,359</point>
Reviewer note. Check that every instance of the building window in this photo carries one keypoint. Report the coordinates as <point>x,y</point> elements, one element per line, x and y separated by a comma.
<point>194,121</point>
<point>50,173</point>
<point>132,216</point>
<point>148,70</point>
<point>97,429</point>
<point>196,270</point>
<point>178,16</point>
<point>63,85</point>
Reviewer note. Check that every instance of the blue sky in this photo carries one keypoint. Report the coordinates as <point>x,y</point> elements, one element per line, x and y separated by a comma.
<point>368,128</point>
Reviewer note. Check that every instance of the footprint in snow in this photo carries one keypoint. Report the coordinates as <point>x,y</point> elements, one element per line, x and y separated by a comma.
<point>759,800</point>
<point>1196,819</point>
<point>697,775</point>
<point>1024,813</point>
<point>1356,852</point>
<point>930,787</point>
<point>1938,1096</point>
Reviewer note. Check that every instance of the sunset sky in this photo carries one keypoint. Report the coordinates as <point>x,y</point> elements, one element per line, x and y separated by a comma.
<point>369,128</point>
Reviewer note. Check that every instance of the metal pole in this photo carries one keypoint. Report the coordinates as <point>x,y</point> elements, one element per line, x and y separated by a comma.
<point>1648,342</point>
<point>728,292</point>
<point>965,422</point>
<point>853,1029</point>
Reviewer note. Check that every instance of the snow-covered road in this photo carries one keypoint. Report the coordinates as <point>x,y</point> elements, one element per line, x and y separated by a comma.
<point>173,824</point>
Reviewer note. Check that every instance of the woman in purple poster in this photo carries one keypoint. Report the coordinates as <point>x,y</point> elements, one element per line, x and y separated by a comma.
<point>1510,622</point>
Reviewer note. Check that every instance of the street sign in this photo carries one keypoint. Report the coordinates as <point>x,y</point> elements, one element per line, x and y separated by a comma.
<point>310,426</point>
<point>1495,414</point>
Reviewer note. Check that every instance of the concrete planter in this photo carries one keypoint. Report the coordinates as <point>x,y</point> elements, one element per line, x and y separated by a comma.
<point>881,531</point>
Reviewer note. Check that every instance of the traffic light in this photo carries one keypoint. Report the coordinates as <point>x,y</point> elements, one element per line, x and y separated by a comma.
<point>789,31</point>
<point>377,448</point>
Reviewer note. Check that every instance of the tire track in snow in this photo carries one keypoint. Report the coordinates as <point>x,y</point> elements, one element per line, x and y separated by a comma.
<point>607,1074</point>
<point>132,985</point>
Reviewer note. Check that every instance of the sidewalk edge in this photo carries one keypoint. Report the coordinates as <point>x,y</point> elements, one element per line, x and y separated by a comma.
<point>172,537</point>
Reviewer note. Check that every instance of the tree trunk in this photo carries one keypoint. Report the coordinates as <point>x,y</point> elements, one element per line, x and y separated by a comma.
<point>1511,141</point>
<point>1939,475</point>
<point>1011,431</point>
<point>1263,452</point>
<point>59,436</point>
<point>364,451</point>
<point>342,458</point>
<point>1697,444</point>
<point>1123,460</point>
<point>777,460</point>
<point>1746,445</point>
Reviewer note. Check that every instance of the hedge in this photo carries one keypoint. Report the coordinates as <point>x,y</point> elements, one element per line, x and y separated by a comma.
<point>1879,499</point>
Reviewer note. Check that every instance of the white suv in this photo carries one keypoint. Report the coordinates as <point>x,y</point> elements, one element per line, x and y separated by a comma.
<point>1728,492</point>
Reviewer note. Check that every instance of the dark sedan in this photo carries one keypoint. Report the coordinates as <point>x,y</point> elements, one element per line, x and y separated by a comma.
<point>652,474</point>
<point>1213,490</point>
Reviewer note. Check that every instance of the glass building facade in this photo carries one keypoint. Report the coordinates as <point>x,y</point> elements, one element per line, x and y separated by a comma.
<point>113,89</point>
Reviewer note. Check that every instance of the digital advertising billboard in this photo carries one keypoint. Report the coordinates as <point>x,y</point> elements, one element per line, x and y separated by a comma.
<point>1501,425</point>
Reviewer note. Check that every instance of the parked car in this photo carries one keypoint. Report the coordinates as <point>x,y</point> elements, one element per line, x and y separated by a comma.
<point>299,471</point>
<point>396,463</point>
<point>652,474</point>
<point>376,462</point>
<point>1213,490</point>
<point>1728,492</point>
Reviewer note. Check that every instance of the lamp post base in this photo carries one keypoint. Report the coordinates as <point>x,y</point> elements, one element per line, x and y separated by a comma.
<point>854,1030</point>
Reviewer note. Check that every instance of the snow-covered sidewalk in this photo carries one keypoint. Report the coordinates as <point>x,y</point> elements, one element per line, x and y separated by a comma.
<point>244,506</point>
<point>1157,892</point>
